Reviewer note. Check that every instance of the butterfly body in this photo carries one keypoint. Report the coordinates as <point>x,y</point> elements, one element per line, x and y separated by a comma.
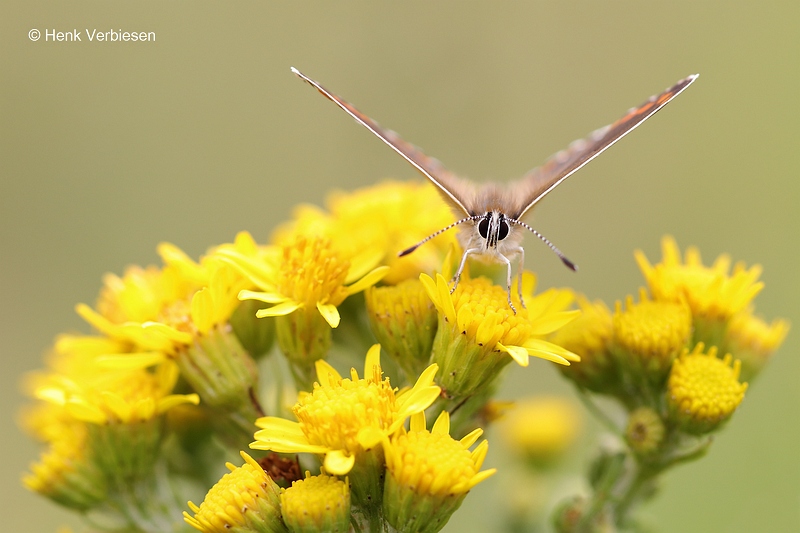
<point>492,214</point>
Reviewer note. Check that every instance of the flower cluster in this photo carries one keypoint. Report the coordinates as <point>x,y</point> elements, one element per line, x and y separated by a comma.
<point>192,361</point>
<point>676,360</point>
<point>356,426</point>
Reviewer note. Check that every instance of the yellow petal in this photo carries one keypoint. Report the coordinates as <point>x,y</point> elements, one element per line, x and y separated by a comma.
<point>274,423</point>
<point>477,478</point>
<point>479,454</point>
<point>51,394</point>
<point>202,310</point>
<point>338,462</point>
<point>448,308</point>
<point>281,309</point>
<point>177,258</point>
<point>172,400</point>
<point>86,412</point>
<point>418,399</point>
<point>553,321</point>
<point>418,422</point>
<point>130,361</point>
<point>373,361</point>
<point>326,374</point>
<point>95,319</point>
<point>442,424</point>
<point>517,353</point>
<point>168,332</point>
<point>266,297</point>
<point>286,446</point>
<point>369,437</point>
<point>471,438</point>
<point>282,436</point>
<point>258,272</point>
<point>118,406</point>
<point>369,280</point>
<point>329,313</point>
<point>363,263</point>
<point>539,346</point>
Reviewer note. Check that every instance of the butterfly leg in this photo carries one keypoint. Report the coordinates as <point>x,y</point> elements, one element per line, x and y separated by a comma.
<point>457,277</point>
<point>521,252</point>
<point>508,281</point>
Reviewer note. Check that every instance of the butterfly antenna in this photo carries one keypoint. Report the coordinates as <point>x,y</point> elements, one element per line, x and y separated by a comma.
<point>572,266</point>
<point>431,236</point>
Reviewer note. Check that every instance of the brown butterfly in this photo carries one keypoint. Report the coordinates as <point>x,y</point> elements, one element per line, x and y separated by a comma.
<point>491,213</point>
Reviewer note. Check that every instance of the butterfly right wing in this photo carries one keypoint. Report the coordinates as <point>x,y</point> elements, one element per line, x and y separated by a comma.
<point>455,190</point>
<point>540,181</point>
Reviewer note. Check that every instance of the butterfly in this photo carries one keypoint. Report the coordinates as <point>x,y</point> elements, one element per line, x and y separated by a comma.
<point>491,214</point>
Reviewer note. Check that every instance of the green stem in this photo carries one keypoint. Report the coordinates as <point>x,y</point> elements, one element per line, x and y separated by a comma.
<point>588,402</point>
<point>646,473</point>
<point>633,493</point>
<point>692,455</point>
<point>604,488</point>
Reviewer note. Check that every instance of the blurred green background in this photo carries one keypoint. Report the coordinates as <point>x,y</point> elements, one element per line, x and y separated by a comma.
<point>109,148</point>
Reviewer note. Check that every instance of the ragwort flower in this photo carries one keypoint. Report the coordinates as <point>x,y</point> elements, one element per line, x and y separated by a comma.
<point>703,391</point>
<point>648,336</point>
<point>385,219</point>
<point>342,419</point>
<point>753,341</point>
<point>479,334</point>
<point>714,294</point>
<point>163,309</point>
<point>541,429</point>
<point>317,503</point>
<point>331,417</point>
<point>182,312</point>
<point>403,319</point>
<point>429,474</point>
<point>245,499</point>
<point>307,281</point>
<point>589,336</point>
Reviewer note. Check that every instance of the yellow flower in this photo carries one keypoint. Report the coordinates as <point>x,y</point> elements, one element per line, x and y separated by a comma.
<point>649,335</point>
<point>403,320</point>
<point>478,333</point>
<point>712,292</point>
<point>116,396</point>
<point>753,341</point>
<point>308,274</point>
<point>703,391</point>
<point>331,418</point>
<point>383,219</point>
<point>245,499</point>
<point>65,472</point>
<point>307,280</point>
<point>541,429</point>
<point>183,312</point>
<point>161,310</point>
<point>101,416</point>
<point>343,419</point>
<point>589,337</point>
<point>429,473</point>
<point>316,503</point>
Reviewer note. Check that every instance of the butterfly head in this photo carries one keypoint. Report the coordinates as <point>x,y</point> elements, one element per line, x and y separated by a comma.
<point>491,233</point>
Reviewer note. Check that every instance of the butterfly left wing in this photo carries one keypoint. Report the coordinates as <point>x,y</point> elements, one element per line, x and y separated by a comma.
<point>540,181</point>
<point>454,189</point>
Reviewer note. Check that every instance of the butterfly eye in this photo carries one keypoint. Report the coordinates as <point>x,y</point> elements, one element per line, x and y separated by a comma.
<point>483,227</point>
<point>503,233</point>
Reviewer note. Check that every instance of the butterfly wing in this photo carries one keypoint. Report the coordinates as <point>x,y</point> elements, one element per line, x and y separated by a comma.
<point>455,190</point>
<point>540,181</point>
